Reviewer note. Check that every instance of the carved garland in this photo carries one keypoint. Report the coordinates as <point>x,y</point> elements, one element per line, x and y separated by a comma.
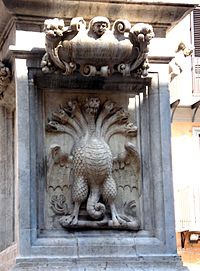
<point>98,49</point>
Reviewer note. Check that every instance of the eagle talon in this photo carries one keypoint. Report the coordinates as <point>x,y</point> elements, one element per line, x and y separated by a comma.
<point>69,220</point>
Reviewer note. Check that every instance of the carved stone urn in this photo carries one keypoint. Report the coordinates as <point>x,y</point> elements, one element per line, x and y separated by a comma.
<point>97,49</point>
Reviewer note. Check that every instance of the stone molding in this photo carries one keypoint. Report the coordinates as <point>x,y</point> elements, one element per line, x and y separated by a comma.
<point>161,14</point>
<point>8,257</point>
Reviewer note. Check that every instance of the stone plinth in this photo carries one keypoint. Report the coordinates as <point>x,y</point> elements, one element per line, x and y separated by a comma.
<point>91,158</point>
<point>44,243</point>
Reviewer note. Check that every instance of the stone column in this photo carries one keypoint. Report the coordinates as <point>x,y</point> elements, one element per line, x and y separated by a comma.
<point>23,146</point>
<point>161,156</point>
<point>7,170</point>
<point>6,178</point>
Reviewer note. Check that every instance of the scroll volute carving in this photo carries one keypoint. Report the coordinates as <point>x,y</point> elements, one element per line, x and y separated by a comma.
<point>91,124</point>
<point>98,49</point>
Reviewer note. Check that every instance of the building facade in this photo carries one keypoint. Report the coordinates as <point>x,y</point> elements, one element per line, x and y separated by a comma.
<point>185,97</point>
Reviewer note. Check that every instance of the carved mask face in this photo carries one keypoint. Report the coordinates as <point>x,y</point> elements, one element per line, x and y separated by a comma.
<point>92,105</point>
<point>100,28</point>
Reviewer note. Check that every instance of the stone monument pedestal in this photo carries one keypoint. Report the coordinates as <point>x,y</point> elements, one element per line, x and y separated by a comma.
<point>44,243</point>
<point>91,124</point>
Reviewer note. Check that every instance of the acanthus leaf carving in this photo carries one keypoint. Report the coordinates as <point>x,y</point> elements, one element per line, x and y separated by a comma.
<point>5,78</point>
<point>92,124</point>
<point>98,49</point>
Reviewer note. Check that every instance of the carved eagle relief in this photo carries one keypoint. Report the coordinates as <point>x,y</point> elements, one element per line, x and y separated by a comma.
<point>96,179</point>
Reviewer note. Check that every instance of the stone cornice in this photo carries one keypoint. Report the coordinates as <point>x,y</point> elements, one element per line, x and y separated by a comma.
<point>37,53</point>
<point>162,15</point>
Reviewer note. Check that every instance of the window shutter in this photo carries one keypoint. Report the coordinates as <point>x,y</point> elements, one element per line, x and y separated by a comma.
<point>196,19</point>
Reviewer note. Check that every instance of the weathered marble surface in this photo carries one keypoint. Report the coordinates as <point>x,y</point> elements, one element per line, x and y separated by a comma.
<point>7,210</point>
<point>121,249</point>
<point>95,155</point>
<point>108,264</point>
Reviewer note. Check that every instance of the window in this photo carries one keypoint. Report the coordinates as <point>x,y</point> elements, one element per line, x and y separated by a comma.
<point>196,30</point>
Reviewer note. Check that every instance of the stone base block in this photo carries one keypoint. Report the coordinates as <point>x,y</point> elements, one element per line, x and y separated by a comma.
<point>157,263</point>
